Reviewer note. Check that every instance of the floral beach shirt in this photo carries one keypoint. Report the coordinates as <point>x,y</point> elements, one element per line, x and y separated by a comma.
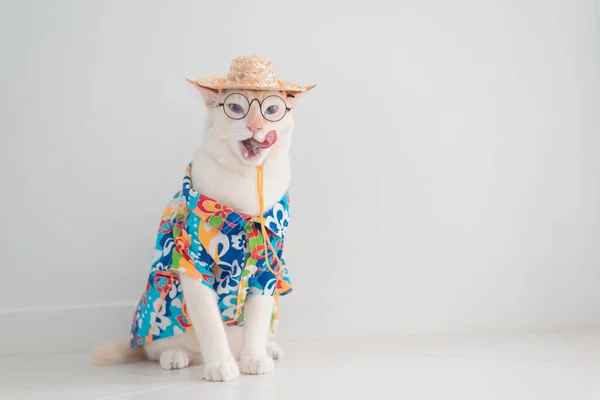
<point>220,247</point>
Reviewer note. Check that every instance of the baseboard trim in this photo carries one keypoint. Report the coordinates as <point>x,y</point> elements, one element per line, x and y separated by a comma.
<point>63,329</point>
<point>65,307</point>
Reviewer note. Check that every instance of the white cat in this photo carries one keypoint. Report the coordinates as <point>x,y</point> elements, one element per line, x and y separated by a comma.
<point>224,168</point>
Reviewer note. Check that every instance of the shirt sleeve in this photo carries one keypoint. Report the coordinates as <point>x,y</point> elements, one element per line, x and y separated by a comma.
<point>266,283</point>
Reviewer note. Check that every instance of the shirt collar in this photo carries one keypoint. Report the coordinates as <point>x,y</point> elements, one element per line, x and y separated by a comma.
<point>228,220</point>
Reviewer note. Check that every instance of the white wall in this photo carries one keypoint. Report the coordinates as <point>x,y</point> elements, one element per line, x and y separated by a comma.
<point>446,168</point>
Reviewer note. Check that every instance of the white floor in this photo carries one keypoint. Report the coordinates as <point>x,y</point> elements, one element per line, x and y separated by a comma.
<point>527,366</point>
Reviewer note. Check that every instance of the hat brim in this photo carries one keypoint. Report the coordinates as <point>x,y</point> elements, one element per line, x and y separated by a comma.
<point>219,82</point>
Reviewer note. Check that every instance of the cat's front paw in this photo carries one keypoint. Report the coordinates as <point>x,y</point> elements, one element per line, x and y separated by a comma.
<point>256,365</point>
<point>174,359</point>
<point>274,350</point>
<point>221,371</point>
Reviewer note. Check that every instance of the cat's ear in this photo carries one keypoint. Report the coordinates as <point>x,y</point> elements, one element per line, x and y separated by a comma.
<point>211,96</point>
<point>295,95</point>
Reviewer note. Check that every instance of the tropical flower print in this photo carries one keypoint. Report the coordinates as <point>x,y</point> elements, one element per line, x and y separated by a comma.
<point>228,277</point>
<point>266,287</point>
<point>183,319</point>
<point>228,304</point>
<point>219,247</point>
<point>165,226</point>
<point>239,241</point>
<point>279,220</point>
<point>163,282</point>
<point>176,289</point>
<point>159,316</point>
<point>138,320</point>
<point>176,302</point>
<point>222,211</point>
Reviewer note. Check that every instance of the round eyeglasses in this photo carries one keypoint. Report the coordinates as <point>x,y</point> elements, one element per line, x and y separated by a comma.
<point>236,106</point>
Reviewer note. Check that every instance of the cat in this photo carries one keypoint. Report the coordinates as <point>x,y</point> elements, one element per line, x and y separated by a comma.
<point>224,168</point>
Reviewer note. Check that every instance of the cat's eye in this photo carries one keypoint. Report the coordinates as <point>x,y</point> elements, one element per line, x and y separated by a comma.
<point>271,110</point>
<point>236,106</point>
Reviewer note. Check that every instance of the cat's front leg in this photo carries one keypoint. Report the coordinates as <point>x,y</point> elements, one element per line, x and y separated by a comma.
<point>219,363</point>
<point>254,359</point>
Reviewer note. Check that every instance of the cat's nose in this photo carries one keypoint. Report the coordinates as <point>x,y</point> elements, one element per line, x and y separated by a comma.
<point>254,128</point>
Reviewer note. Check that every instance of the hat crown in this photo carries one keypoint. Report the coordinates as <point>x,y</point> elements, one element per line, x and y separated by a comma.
<point>252,70</point>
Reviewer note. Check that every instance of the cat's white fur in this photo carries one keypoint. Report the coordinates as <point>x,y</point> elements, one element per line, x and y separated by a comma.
<point>220,171</point>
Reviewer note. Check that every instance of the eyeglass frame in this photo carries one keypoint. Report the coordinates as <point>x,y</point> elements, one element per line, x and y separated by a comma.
<point>260,103</point>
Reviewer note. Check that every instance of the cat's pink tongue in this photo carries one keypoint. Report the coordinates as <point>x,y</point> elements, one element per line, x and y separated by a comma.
<point>270,139</point>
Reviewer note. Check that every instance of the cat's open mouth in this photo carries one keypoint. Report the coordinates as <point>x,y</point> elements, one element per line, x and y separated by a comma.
<point>251,147</point>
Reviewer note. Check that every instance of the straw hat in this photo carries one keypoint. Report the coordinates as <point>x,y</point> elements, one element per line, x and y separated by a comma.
<point>250,73</point>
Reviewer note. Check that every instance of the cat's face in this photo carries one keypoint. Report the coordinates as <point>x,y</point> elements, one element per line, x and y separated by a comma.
<point>252,123</point>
